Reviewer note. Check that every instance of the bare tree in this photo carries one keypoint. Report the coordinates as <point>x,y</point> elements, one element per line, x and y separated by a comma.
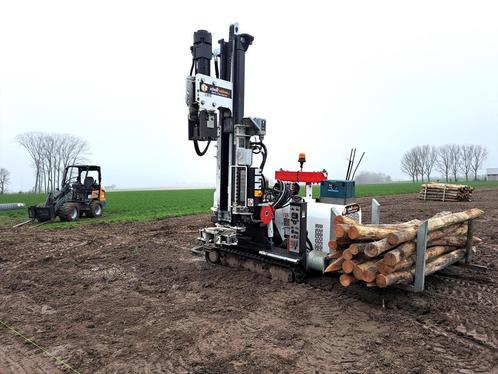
<point>51,153</point>
<point>428,159</point>
<point>443,163</point>
<point>450,160</point>
<point>32,142</point>
<point>4,180</point>
<point>419,162</point>
<point>467,154</point>
<point>409,164</point>
<point>455,158</point>
<point>480,154</point>
<point>419,155</point>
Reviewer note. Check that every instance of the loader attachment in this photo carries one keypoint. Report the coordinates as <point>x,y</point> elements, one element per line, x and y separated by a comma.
<point>41,213</point>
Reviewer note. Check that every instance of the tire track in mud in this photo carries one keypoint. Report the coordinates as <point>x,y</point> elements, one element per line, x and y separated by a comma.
<point>476,295</point>
<point>458,350</point>
<point>341,337</point>
<point>244,330</point>
<point>467,321</point>
<point>454,330</point>
<point>464,325</point>
<point>480,290</point>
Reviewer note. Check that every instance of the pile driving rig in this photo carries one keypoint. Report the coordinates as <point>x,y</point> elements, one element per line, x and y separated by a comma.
<point>255,224</point>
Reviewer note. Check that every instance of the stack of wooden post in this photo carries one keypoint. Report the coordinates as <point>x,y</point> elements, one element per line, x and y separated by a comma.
<point>385,254</point>
<point>445,192</point>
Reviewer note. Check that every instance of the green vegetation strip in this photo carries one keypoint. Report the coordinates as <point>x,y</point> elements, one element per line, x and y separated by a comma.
<point>123,206</point>
<point>127,206</point>
<point>30,341</point>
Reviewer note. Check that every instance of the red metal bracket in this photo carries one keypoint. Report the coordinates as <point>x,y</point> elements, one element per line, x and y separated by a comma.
<point>300,176</point>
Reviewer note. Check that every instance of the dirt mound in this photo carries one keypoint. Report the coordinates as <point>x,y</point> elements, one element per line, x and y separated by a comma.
<point>130,298</point>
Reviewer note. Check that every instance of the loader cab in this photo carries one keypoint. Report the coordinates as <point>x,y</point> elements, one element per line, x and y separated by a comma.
<point>81,173</point>
<point>85,180</point>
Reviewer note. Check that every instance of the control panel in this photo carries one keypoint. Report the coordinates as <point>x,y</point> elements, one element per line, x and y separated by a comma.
<point>297,228</point>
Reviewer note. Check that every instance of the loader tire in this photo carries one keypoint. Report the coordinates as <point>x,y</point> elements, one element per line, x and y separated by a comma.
<point>94,210</point>
<point>69,212</point>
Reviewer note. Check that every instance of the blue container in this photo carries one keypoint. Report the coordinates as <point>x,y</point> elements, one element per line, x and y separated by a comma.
<point>337,189</point>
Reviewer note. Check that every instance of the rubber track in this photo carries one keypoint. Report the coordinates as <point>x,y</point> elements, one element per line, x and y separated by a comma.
<point>260,258</point>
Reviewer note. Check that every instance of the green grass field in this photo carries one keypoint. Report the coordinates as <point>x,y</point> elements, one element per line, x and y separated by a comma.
<point>396,188</point>
<point>123,206</point>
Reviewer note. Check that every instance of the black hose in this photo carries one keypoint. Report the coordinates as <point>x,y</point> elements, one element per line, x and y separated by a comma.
<point>197,149</point>
<point>277,203</point>
<point>216,69</point>
<point>192,67</point>
<point>260,147</point>
<point>284,196</point>
<point>265,155</point>
<point>308,241</point>
<point>293,199</point>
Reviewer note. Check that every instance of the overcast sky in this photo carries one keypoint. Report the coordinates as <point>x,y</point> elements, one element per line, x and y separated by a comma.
<point>381,76</point>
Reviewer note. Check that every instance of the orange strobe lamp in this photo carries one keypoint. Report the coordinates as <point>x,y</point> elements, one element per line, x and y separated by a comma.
<point>302,159</point>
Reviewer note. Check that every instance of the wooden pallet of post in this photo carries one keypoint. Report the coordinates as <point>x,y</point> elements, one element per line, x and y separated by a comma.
<point>445,192</point>
<point>385,255</point>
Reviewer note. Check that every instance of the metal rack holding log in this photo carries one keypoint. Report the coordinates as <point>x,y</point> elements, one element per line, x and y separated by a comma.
<point>420,262</point>
<point>401,254</point>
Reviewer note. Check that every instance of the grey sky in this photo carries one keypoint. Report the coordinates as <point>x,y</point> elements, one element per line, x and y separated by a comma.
<point>380,76</point>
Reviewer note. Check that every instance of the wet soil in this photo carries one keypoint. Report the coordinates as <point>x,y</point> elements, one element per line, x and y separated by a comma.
<point>130,298</point>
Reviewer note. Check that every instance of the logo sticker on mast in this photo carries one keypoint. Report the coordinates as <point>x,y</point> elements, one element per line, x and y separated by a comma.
<point>212,93</point>
<point>215,90</point>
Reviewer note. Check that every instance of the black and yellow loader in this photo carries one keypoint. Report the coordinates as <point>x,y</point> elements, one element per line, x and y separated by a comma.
<point>81,193</point>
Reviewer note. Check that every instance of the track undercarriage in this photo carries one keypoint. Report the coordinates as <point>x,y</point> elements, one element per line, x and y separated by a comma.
<point>234,257</point>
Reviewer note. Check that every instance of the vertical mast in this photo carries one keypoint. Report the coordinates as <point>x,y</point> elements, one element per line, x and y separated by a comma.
<point>232,56</point>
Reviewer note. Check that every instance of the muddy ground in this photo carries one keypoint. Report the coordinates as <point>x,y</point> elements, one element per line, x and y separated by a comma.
<point>130,298</point>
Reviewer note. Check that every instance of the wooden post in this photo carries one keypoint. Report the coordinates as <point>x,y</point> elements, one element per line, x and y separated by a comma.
<point>469,244</point>
<point>375,213</point>
<point>419,283</point>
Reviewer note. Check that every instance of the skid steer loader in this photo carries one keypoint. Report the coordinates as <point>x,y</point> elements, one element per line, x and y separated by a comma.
<point>81,193</point>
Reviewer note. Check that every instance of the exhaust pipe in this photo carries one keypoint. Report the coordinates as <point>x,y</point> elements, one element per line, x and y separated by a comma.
<point>316,260</point>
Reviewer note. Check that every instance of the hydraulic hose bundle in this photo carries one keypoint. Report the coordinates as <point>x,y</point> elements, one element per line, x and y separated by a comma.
<point>283,194</point>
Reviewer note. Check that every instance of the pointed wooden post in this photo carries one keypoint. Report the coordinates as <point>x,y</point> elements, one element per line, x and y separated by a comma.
<point>419,283</point>
<point>375,214</point>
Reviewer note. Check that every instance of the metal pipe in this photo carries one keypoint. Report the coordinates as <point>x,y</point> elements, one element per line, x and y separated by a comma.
<point>349,163</point>
<point>359,162</point>
<point>11,206</point>
<point>352,164</point>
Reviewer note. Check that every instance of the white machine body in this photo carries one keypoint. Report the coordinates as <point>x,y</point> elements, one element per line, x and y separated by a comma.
<point>320,221</point>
